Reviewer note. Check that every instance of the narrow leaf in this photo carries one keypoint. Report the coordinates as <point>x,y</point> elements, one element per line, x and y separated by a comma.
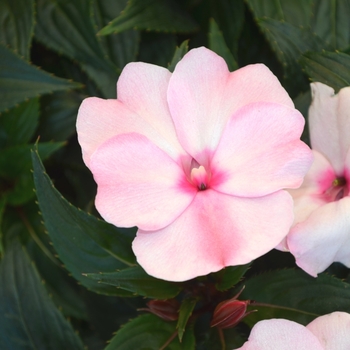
<point>179,53</point>
<point>20,81</point>
<point>17,25</point>
<point>84,243</point>
<point>185,313</point>
<point>151,15</point>
<point>137,281</point>
<point>217,44</point>
<point>150,332</point>
<point>331,68</point>
<point>28,317</point>
<point>229,276</point>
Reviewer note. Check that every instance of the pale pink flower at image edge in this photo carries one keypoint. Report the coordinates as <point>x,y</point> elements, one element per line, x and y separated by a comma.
<point>198,160</point>
<point>327,332</point>
<point>321,231</point>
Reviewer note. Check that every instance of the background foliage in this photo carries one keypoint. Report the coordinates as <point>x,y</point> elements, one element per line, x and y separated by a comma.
<point>69,280</point>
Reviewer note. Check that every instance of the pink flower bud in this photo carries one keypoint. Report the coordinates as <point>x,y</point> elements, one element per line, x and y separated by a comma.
<point>229,313</point>
<point>168,310</point>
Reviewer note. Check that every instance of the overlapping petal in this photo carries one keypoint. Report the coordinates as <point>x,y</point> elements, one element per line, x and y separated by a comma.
<point>203,95</point>
<point>138,183</point>
<point>324,237</point>
<point>279,160</point>
<point>329,123</point>
<point>216,230</point>
<point>332,330</point>
<point>281,334</point>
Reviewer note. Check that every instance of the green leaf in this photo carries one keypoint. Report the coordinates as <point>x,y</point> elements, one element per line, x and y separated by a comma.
<point>121,48</point>
<point>330,21</point>
<point>150,332</point>
<point>218,45</point>
<point>17,126</point>
<point>295,12</point>
<point>179,53</point>
<point>84,243</point>
<point>229,276</point>
<point>294,295</point>
<point>288,41</point>
<point>59,115</point>
<point>137,281</point>
<point>17,25</point>
<point>28,317</point>
<point>67,28</point>
<point>15,166</point>
<point>20,81</point>
<point>331,68</point>
<point>151,15</point>
<point>186,309</point>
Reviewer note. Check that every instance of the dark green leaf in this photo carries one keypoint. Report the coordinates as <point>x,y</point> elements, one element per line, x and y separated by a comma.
<point>59,115</point>
<point>28,317</point>
<point>20,81</point>
<point>186,309</point>
<point>330,21</point>
<point>218,45</point>
<point>294,295</point>
<point>84,243</point>
<point>137,281</point>
<point>151,15</point>
<point>17,126</point>
<point>67,27</point>
<point>150,332</point>
<point>229,276</point>
<point>179,53</point>
<point>121,48</point>
<point>17,25</point>
<point>331,68</point>
<point>296,12</point>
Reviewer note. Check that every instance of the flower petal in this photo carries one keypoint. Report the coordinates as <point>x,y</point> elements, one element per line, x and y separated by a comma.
<point>311,194</point>
<point>215,231</point>
<point>282,335</point>
<point>330,123</point>
<point>260,151</point>
<point>141,107</point>
<point>323,238</point>
<point>138,184</point>
<point>203,94</point>
<point>332,330</point>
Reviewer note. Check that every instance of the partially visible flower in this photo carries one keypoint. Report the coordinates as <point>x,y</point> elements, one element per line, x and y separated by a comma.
<point>321,231</point>
<point>167,310</point>
<point>198,160</point>
<point>328,332</point>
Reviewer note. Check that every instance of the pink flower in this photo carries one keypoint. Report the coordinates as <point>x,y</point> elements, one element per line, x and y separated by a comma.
<point>197,160</point>
<point>328,332</point>
<point>321,232</point>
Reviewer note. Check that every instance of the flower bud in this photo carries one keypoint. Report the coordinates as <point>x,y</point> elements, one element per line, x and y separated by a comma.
<point>229,313</point>
<point>168,310</point>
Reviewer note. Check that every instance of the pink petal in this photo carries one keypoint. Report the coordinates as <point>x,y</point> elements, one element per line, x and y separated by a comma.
<point>143,87</point>
<point>141,107</point>
<point>309,196</point>
<point>330,123</point>
<point>332,330</point>
<point>260,151</point>
<point>138,184</point>
<point>280,334</point>
<point>323,238</point>
<point>203,94</point>
<point>215,231</point>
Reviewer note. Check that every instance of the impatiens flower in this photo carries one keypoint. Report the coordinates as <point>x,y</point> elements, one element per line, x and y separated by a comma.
<point>321,232</point>
<point>197,159</point>
<point>328,332</point>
